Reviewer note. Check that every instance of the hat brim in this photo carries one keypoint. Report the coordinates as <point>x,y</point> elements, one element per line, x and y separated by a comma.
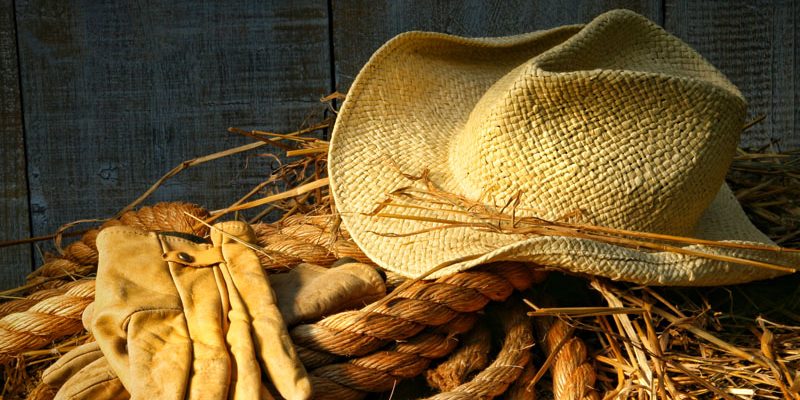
<point>393,123</point>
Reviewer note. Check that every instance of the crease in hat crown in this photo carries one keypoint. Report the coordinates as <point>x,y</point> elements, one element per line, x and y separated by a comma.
<point>617,119</point>
<point>533,133</point>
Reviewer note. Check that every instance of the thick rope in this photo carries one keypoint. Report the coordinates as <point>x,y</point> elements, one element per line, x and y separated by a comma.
<point>442,308</point>
<point>46,321</point>
<point>426,303</point>
<point>306,239</point>
<point>511,361</point>
<point>412,350</point>
<point>521,390</point>
<point>23,304</point>
<point>471,356</point>
<point>382,370</point>
<point>422,321</point>
<point>573,376</point>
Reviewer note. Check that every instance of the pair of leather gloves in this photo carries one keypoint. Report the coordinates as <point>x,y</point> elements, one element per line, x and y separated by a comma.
<point>177,318</point>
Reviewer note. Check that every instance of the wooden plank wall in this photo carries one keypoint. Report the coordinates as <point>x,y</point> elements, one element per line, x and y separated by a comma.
<point>360,27</point>
<point>110,95</point>
<point>754,43</point>
<point>15,261</point>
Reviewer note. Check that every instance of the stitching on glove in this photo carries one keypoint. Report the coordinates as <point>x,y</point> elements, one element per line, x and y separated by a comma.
<point>187,236</point>
<point>127,319</point>
<point>78,395</point>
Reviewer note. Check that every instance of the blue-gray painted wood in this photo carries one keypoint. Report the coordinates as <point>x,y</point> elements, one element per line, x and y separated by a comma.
<point>360,27</point>
<point>118,93</point>
<point>15,262</point>
<point>114,94</point>
<point>755,44</point>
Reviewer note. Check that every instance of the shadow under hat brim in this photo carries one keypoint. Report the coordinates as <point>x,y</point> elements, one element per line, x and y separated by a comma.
<point>402,112</point>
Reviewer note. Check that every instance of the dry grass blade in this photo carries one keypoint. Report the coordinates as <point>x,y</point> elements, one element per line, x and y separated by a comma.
<point>225,153</point>
<point>247,244</point>
<point>15,242</point>
<point>582,312</point>
<point>487,218</point>
<point>691,359</point>
<point>633,344</point>
<point>767,184</point>
<point>311,150</point>
<point>59,235</point>
<point>184,165</point>
<point>685,324</point>
<point>551,358</point>
<point>319,183</point>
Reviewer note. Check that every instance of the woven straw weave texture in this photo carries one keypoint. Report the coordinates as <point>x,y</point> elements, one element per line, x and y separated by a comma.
<point>617,120</point>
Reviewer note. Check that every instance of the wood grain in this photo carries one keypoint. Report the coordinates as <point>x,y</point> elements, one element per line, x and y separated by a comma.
<point>118,93</point>
<point>114,94</point>
<point>755,44</point>
<point>15,262</point>
<point>360,27</point>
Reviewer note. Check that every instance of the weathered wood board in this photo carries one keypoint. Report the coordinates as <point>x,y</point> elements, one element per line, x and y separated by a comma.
<point>118,93</point>
<point>15,262</point>
<point>755,44</point>
<point>360,27</point>
<point>108,96</point>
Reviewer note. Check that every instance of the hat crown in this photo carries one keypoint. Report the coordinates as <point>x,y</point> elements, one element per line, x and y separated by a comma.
<point>616,119</point>
<point>622,122</point>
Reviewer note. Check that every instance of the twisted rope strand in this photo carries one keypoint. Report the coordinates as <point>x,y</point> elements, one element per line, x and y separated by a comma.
<point>304,239</point>
<point>520,389</point>
<point>23,304</point>
<point>473,355</point>
<point>380,371</point>
<point>46,321</point>
<point>426,303</point>
<point>573,375</point>
<point>412,353</point>
<point>514,355</point>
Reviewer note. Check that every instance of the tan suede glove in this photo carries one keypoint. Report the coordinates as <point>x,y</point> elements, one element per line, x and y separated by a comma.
<point>254,310</point>
<point>198,321</point>
<point>144,309</point>
<point>308,292</point>
<point>83,373</point>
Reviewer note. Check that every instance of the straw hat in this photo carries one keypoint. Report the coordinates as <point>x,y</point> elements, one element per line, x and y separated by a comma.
<point>616,123</point>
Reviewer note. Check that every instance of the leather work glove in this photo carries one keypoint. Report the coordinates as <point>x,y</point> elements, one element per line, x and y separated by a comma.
<point>176,318</point>
<point>306,293</point>
<point>83,373</point>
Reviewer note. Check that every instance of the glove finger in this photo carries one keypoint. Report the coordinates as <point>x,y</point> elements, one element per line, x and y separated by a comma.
<point>87,316</point>
<point>204,310</point>
<point>96,381</point>
<point>272,342</point>
<point>70,363</point>
<point>246,374</point>
<point>308,291</point>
